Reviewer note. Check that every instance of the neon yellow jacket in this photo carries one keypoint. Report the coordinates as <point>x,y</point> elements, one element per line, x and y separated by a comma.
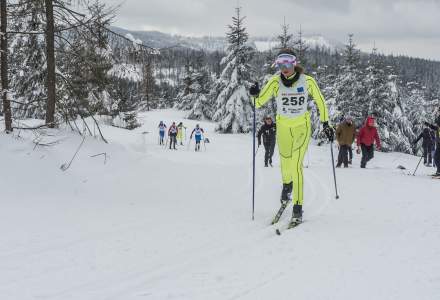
<point>271,90</point>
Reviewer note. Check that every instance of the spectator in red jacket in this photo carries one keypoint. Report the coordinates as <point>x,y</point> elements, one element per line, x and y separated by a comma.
<point>365,140</point>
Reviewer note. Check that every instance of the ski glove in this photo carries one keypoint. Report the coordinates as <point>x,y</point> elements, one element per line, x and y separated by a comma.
<point>329,132</point>
<point>254,91</point>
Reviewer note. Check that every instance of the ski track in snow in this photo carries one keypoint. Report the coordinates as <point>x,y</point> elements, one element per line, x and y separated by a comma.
<point>154,223</point>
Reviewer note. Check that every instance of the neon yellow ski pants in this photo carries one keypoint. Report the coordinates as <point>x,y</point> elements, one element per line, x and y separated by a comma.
<point>293,137</point>
<point>180,135</point>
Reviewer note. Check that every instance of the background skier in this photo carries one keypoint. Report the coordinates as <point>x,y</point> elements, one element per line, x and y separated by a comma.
<point>172,133</point>
<point>198,136</point>
<point>268,131</point>
<point>162,127</point>
<point>291,88</point>
<point>365,140</point>
<point>180,131</point>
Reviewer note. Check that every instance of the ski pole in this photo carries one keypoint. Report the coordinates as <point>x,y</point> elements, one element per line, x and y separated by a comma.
<point>257,150</point>
<point>308,158</point>
<point>334,171</point>
<point>253,160</point>
<point>166,142</point>
<point>420,160</point>
<point>189,143</point>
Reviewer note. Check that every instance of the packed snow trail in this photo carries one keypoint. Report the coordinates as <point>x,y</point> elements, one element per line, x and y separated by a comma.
<point>153,223</point>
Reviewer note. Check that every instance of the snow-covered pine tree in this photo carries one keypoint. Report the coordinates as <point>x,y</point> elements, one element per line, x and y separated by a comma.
<point>350,93</point>
<point>28,64</point>
<point>149,87</point>
<point>183,102</point>
<point>200,105</point>
<point>301,48</point>
<point>233,106</point>
<point>415,106</point>
<point>193,95</point>
<point>285,39</point>
<point>87,65</point>
<point>325,77</point>
<point>268,71</point>
<point>380,83</point>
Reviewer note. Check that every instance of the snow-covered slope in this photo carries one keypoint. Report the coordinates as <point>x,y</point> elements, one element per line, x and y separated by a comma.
<point>153,223</point>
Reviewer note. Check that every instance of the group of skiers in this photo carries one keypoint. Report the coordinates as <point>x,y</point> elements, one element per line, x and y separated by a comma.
<point>176,134</point>
<point>368,136</point>
<point>291,88</point>
<point>365,140</point>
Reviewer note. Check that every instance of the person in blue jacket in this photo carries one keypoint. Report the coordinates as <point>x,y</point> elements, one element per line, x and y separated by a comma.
<point>162,127</point>
<point>198,136</point>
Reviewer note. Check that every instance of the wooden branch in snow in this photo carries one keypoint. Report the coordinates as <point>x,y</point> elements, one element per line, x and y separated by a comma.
<point>32,128</point>
<point>99,154</point>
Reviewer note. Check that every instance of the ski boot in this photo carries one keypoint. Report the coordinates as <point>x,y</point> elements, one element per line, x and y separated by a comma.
<point>296,216</point>
<point>286,196</point>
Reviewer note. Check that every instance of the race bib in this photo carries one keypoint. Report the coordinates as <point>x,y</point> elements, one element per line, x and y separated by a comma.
<point>292,101</point>
<point>293,104</point>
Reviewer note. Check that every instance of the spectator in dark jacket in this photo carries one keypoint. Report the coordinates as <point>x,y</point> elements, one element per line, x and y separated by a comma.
<point>428,143</point>
<point>365,140</point>
<point>345,134</point>
<point>268,131</point>
<point>436,127</point>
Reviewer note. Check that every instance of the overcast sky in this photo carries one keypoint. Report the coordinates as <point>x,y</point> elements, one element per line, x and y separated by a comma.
<point>410,27</point>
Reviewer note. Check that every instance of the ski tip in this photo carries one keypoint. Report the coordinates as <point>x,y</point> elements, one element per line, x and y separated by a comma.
<point>278,232</point>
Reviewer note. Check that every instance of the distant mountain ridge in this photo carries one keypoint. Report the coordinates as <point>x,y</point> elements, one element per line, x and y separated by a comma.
<point>158,39</point>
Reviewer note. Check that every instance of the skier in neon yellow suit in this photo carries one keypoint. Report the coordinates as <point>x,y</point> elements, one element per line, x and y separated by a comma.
<point>291,89</point>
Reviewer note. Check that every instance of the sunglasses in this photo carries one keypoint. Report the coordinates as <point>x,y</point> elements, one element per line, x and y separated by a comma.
<point>285,61</point>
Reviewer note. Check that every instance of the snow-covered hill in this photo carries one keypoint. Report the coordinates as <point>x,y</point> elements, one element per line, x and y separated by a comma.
<point>153,223</point>
<point>163,40</point>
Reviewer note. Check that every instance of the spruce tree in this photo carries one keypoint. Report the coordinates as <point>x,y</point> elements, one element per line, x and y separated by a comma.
<point>285,39</point>
<point>349,90</point>
<point>28,64</point>
<point>233,108</point>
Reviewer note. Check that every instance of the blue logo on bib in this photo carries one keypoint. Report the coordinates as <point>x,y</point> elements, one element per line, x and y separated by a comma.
<point>300,90</point>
